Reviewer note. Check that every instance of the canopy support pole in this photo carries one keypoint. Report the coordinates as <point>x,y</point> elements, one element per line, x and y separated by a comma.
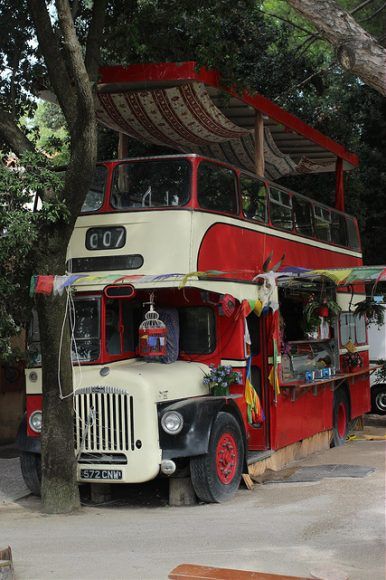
<point>339,188</point>
<point>259,144</point>
<point>123,146</point>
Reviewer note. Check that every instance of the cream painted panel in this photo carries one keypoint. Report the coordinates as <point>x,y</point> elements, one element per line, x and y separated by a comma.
<point>344,300</point>
<point>33,387</point>
<point>161,237</point>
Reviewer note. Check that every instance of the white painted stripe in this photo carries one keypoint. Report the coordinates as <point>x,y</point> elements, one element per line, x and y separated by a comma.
<point>233,363</point>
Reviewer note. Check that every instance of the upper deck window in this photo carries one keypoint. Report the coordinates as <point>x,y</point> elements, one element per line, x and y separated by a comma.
<point>280,209</point>
<point>147,184</point>
<point>338,229</point>
<point>216,188</point>
<point>322,223</point>
<point>253,198</point>
<point>352,234</point>
<point>96,193</point>
<point>303,216</point>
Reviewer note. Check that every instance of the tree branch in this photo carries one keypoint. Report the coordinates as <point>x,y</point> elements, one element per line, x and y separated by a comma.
<point>14,136</point>
<point>357,50</point>
<point>74,59</point>
<point>360,6</point>
<point>287,21</point>
<point>373,14</point>
<point>61,81</point>
<point>92,57</point>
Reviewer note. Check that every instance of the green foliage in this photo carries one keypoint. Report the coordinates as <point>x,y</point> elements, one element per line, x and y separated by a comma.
<point>49,132</point>
<point>370,309</point>
<point>22,234</point>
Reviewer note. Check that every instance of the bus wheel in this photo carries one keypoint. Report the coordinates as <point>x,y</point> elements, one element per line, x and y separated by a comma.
<point>378,400</point>
<point>340,418</point>
<point>216,476</point>
<point>32,472</point>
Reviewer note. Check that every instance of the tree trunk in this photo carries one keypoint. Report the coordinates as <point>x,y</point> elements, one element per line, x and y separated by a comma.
<point>357,51</point>
<point>60,492</point>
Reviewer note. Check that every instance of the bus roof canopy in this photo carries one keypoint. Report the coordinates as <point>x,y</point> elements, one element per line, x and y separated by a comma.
<point>189,109</point>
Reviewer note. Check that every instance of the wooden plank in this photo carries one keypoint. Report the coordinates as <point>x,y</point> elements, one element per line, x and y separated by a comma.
<point>197,572</point>
<point>6,564</point>
<point>248,481</point>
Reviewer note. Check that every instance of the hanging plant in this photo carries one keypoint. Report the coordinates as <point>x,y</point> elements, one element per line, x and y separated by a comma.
<point>373,311</point>
<point>326,308</point>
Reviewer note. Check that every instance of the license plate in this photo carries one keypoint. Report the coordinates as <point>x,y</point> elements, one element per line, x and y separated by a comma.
<point>101,474</point>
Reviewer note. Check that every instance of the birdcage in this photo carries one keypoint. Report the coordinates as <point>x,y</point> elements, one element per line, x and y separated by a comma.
<point>152,334</point>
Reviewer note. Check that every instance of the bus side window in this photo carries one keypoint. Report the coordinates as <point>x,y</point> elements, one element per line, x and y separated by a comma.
<point>352,234</point>
<point>303,216</point>
<point>216,188</point>
<point>338,229</point>
<point>95,195</point>
<point>280,209</point>
<point>197,330</point>
<point>253,198</point>
<point>322,223</point>
<point>352,328</point>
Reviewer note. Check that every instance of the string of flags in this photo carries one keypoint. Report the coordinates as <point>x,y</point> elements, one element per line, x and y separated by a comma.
<point>56,285</point>
<point>50,284</point>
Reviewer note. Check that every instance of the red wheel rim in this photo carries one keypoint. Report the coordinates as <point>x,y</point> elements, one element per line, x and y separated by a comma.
<point>342,420</point>
<point>227,458</point>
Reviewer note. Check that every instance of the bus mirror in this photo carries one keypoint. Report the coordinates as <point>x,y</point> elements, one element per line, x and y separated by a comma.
<point>121,291</point>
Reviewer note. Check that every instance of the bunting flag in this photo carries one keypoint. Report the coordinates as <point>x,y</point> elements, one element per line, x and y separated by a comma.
<point>44,284</point>
<point>340,276</point>
<point>273,376</point>
<point>255,411</point>
<point>273,335</point>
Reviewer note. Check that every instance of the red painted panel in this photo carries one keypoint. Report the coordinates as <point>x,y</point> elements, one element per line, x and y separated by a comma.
<point>33,403</point>
<point>359,396</point>
<point>233,248</point>
<point>292,421</point>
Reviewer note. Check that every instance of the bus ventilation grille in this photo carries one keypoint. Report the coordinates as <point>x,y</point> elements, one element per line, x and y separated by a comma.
<point>104,422</point>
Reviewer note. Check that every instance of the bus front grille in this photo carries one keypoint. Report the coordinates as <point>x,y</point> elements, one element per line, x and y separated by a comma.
<point>104,420</point>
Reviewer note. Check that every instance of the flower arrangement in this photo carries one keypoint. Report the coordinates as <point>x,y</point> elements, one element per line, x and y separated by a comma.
<point>220,378</point>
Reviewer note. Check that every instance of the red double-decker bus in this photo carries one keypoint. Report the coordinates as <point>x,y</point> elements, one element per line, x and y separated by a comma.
<point>192,355</point>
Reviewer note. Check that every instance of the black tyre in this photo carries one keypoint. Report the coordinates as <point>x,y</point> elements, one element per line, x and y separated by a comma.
<point>32,472</point>
<point>378,399</point>
<point>340,418</point>
<point>216,476</point>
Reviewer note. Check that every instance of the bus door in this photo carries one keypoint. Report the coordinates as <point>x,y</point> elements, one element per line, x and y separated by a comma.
<point>259,431</point>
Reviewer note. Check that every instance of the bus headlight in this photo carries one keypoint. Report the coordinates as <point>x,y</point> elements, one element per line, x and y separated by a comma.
<point>172,422</point>
<point>35,421</point>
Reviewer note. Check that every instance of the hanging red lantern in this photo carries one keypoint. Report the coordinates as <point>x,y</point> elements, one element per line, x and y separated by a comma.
<point>152,334</point>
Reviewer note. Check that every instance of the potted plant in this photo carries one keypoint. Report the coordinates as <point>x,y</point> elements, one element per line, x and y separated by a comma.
<point>372,310</point>
<point>220,378</point>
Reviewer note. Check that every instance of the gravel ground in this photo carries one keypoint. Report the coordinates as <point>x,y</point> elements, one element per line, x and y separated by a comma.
<point>334,526</point>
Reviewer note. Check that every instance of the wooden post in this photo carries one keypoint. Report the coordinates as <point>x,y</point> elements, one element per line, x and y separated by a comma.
<point>259,144</point>
<point>123,146</point>
<point>339,188</point>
